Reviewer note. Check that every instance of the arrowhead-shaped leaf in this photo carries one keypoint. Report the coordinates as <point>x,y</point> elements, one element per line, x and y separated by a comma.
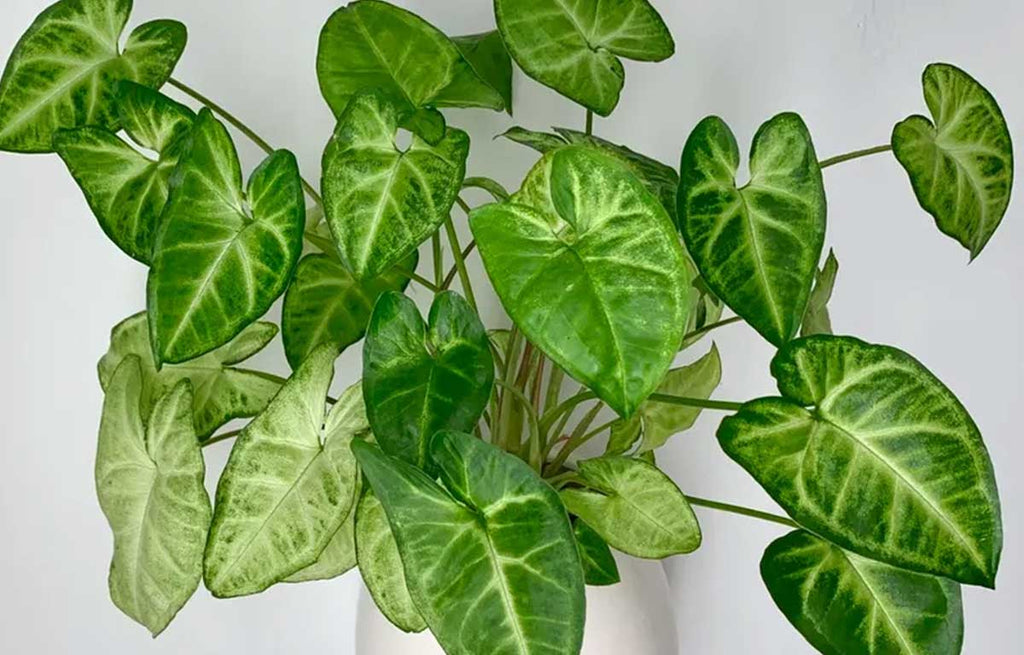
<point>64,70</point>
<point>419,377</point>
<point>382,202</point>
<point>574,47</point>
<point>587,264</point>
<point>757,246</point>
<point>816,318</point>
<point>886,462</point>
<point>126,189</point>
<point>599,567</point>
<point>844,604</point>
<point>960,165</point>
<point>223,255</point>
<point>326,304</point>
<point>634,507</point>
<point>288,486</point>
<point>150,486</point>
<point>491,563</point>
<point>222,392</point>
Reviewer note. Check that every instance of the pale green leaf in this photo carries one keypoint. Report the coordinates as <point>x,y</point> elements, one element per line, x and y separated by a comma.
<point>886,462</point>
<point>491,563</point>
<point>64,69</point>
<point>150,486</point>
<point>483,78</point>
<point>696,380</point>
<point>960,165</point>
<point>634,507</point>
<point>757,246</point>
<point>624,433</point>
<point>844,604</point>
<point>599,567</point>
<point>223,255</point>
<point>816,318</point>
<point>338,556</point>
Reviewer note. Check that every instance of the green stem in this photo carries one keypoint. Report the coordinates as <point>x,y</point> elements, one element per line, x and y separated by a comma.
<point>579,436</point>
<point>554,386</point>
<point>412,275</point>
<point>743,511</point>
<point>435,241</point>
<point>531,415</point>
<point>460,263</point>
<point>569,404</point>
<point>694,402</point>
<point>450,277</point>
<point>217,438</point>
<point>711,326</point>
<point>241,127</point>
<point>856,154</point>
<point>590,122</point>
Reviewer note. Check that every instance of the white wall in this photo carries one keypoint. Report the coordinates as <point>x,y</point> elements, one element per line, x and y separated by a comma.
<point>850,67</point>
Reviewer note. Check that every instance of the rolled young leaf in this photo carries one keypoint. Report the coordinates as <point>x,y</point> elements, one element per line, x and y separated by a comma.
<point>635,507</point>
<point>960,165</point>
<point>587,264</point>
<point>381,202</point>
<point>223,255</point>
<point>126,189</point>
<point>419,377</point>
<point>288,486</point>
<point>886,462</point>
<point>64,69</point>
<point>758,246</point>
<point>599,567</point>
<point>491,562</point>
<point>844,604</point>
<point>574,47</point>
<point>816,318</point>
<point>150,486</point>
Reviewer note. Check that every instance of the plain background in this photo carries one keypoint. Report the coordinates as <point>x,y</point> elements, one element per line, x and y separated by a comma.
<point>851,68</point>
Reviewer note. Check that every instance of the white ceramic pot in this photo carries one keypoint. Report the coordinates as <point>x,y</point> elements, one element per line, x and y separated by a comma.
<point>634,616</point>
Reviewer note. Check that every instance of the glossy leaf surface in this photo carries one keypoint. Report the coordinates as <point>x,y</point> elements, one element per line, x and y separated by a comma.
<point>150,486</point>
<point>483,78</point>
<point>573,46</point>
<point>961,162</point>
<point>587,264</point>
<point>421,377</point>
<point>886,462</point>
<point>382,202</point>
<point>223,254</point>
<point>64,69</point>
<point>757,246</point>
<point>816,318</point>
<point>599,567</point>
<point>634,507</point>
<point>491,563</point>
<point>844,604</point>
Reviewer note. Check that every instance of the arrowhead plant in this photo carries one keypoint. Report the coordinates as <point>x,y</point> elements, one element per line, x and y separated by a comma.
<point>450,475</point>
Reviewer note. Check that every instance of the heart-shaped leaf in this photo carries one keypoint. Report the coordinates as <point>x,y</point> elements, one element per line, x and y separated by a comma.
<point>288,486</point>
<point>491,562</point>
<point>64,69</point>
<point>484,76</point>
<point>886,462</point>
<point>338,556</point>
<point>382,202</point>
<point>150,486</point>
<point>222,391</point>
<point>757,246</point>
<point>587,264</point>
<point>325,304</point>
<point>816,318</point>
<point>126,189</point>
<point>599,567</point>
<point>223,255</point>
<point>419,377</point>
<point>381,566</point>
<point>844,604</point>
<point>961,166</point>
<point>574,47</point>
<point>634,507</point>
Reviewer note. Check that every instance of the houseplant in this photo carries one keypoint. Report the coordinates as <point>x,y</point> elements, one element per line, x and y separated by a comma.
<point>207,140</point>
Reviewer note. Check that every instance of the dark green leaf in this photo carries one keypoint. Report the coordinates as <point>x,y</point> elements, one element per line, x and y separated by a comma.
<point>599,567</point>
<point>816,318</point>
<point>483,78</point>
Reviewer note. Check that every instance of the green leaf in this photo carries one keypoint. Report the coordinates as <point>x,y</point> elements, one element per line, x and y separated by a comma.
<point>599,567</point>
<point>634,507</point>
<point>325,304</point>
<point>491,563</point>
<point>844,604</point>
<point>574,47</point>
<point>696,380</point>
<point>587,264</point>
<point>222,391</point>
<point>423,377</point>
<point>886,462</point>
<point>223,255</point>
<point>707,308</point>
<point>337,558</point>
<point>483,78</point>
<point>542,142</point>
<point>492,187</point>
<point>756,246</point>
<point>288,486</point>
<point>126,189</point>
<point>624,433</point>
<point>961,166</point>
<point>381,566</point>
<point>150,486</point>
<point>64,70</point>
<point>382,202</point>
<point>816,318</point>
